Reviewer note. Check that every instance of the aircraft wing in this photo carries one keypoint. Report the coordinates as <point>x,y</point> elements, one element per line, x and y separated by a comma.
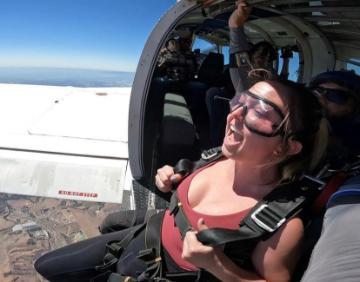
<point>64,142</point>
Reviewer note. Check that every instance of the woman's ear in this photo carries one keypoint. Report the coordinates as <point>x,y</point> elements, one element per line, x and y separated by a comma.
<point>294,147</point>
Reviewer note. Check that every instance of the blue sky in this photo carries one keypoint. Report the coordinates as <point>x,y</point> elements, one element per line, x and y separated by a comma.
<point>95,34</point>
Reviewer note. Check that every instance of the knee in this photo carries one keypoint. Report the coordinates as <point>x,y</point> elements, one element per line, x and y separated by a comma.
<point>41,266</point>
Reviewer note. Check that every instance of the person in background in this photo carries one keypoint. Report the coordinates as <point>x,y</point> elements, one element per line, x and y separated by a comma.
<point>339,94</point>
<point>248,64</point>
<point>336,253</point>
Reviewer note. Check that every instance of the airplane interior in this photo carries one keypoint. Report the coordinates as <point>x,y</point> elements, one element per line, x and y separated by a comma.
<point>322,35</point>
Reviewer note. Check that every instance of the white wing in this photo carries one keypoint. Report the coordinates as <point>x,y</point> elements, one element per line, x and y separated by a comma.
<point>64,142</point>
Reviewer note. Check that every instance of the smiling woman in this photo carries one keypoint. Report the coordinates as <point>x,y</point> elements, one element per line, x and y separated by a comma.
<point>254,165</point>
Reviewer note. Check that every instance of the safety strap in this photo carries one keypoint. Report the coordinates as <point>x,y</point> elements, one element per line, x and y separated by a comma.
<point>115,248</point>
<point>264,218</point>
<point>330,188</point>
<point>152,254</point>
<point>185,166</point>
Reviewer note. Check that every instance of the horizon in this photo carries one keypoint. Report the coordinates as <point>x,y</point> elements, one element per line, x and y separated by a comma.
<point>57,76</point>
<point>102,35</point>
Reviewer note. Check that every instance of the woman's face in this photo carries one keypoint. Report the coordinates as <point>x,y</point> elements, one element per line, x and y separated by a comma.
<point>241,141</point>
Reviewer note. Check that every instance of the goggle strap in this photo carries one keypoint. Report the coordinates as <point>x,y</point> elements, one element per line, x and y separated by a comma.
<point>282,123</point>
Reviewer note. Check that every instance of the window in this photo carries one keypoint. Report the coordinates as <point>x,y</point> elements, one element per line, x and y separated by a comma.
<point>293,65</point>
<point>205,46</point>
<point>354,65</point>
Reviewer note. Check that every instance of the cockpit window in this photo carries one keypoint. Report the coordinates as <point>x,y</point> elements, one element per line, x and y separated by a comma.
<point>205,46</point>
<point>294,65</point>
<point>354,65</point>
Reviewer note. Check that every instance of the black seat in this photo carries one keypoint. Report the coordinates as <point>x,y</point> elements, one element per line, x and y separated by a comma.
<point>211,69</point>
<point>178,138</point>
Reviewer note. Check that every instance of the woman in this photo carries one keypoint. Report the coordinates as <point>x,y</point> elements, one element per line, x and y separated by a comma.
<point>274,133</point>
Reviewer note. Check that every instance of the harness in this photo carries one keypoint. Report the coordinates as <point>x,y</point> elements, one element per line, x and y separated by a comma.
<point>264,219</point>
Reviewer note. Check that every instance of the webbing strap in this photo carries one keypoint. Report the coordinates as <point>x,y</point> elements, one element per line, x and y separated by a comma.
<point>331,187</point>
<point>115,248</point>
<point>186,167</point>
<point>181,220</point>
<point>268,215</point>
<point>152,254</point>
<point>264,218</point>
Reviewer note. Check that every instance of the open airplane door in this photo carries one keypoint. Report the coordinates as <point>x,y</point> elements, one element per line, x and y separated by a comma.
<point>149,105</point>
<point>144,114</point>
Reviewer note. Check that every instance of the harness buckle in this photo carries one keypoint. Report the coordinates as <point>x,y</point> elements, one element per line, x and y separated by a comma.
<point>261,223</point>
<point>313,182</point>
<point>207,155</point>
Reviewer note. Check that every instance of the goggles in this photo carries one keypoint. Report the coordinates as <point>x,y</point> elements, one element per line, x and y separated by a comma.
<point>336,96</point>
<point>261,116</point>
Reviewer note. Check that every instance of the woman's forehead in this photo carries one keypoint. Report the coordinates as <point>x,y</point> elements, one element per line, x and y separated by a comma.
<point>267,91</point>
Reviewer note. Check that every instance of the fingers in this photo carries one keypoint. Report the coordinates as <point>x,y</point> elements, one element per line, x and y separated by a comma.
<point>201,224</point>
<point>240,14</point>
<point>165,178</point>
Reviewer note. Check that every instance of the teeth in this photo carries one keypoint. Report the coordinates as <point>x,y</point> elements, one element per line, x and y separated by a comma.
<point>233,128</point>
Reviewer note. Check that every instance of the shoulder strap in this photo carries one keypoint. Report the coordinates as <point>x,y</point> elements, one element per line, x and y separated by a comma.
<point>186,166</point>
<point>268,215</point>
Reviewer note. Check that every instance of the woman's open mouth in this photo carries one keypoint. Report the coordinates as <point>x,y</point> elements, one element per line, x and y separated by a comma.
<point>235,134</point>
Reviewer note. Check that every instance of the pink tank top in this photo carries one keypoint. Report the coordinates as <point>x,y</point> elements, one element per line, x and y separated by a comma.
<point>170,234</point>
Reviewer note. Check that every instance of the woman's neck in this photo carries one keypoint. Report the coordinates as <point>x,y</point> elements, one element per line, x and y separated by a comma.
<point>256,180</point>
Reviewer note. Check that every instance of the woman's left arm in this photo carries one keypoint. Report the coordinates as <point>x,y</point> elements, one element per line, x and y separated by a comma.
<point>274,259</point>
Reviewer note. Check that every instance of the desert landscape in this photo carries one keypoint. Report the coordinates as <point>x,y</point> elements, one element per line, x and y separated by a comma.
<point>31,226</point>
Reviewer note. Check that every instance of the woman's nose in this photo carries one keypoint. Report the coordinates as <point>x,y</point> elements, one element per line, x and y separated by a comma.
<point>241,111</point>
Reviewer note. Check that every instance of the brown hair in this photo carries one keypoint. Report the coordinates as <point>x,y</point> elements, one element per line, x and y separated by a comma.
<point>304,123</point>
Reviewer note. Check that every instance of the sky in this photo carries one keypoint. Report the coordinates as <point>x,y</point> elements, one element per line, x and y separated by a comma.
<point>87,34</point>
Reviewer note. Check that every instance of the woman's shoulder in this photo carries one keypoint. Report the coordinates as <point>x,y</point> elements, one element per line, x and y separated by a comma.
<point>277,256</point>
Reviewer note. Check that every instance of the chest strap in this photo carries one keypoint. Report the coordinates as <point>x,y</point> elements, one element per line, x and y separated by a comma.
<point>264,218</point>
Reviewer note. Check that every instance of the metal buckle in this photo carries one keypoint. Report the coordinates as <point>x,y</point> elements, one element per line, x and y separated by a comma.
<point>313,180</point>
<point>261,223</point>
<point>206,156</point>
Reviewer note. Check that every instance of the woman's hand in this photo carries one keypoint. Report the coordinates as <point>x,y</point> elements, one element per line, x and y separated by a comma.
<point>240,15</point>
<point>165,178</point>
<point>195,252</point>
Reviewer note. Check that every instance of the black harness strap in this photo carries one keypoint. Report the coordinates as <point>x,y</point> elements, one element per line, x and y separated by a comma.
<point>264,218</point>
<point>115,248</point>
<point>262,221</point>
<point>267,215</point>
<point>185,166</point>
<point>152,254</point>
<point>181,220</point>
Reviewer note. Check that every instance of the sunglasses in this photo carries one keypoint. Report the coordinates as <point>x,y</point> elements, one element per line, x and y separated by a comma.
<point>261,116</point>
<point>336,96</point>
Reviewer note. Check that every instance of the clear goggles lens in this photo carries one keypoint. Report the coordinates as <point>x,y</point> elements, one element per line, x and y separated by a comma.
<point>260,115</point>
